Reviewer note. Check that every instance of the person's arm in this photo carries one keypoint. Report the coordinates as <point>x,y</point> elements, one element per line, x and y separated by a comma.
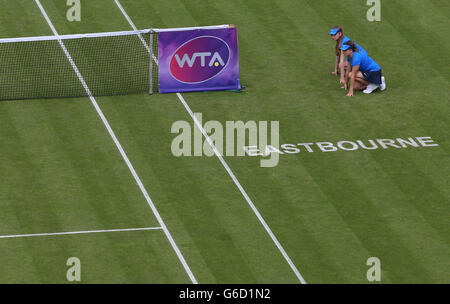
<point>342,67</point>
<point>346,76</point>
<point>336,65</point>
<point>355,70</point>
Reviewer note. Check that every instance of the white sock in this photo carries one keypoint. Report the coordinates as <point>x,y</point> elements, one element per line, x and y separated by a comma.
<point>383,84</point>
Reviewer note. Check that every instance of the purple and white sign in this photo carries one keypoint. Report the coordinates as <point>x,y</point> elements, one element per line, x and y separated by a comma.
<point>198,60</point>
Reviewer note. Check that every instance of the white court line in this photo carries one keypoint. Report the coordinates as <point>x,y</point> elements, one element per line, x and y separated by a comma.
<point>119,147</point>
<point>77,232</point>
<point>227,168</point>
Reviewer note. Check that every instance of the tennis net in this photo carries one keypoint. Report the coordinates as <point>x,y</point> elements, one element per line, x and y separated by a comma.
<point>114,63</point>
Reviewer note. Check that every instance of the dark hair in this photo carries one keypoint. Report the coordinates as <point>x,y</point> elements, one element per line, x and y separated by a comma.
<point>352,45</point>
<point>339,41</point>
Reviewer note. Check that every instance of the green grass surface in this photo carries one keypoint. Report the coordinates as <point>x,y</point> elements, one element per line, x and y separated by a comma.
<point>60,170</point>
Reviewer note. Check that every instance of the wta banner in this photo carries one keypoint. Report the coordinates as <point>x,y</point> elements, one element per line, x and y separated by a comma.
<point>198,60</point>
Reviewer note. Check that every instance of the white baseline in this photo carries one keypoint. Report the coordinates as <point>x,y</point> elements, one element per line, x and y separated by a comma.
<point>77,232</point>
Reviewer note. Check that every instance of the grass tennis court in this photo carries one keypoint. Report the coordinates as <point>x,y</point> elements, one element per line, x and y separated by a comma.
<point>60,170</point>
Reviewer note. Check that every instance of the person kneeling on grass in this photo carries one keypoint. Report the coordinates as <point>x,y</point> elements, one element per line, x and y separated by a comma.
<point>365,74</point>
<point>342,66</point>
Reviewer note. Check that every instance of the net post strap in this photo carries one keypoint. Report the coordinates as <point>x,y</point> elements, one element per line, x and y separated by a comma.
<point>151,63</point>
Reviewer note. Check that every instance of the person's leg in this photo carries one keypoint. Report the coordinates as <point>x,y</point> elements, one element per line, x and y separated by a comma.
<point>347,66</point>
<point>360,78</point>
<point>348,73</point>
<point>359,86</point>
<point>374,79</point>
<point>344,66</point>
<point>360,82</point>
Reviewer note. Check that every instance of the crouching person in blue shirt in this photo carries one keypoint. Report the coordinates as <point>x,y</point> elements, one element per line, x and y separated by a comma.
<point>365,74</point>
<point>341,66</point>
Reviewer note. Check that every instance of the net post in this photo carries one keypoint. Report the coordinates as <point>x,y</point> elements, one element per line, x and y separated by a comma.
<point>151,62</point>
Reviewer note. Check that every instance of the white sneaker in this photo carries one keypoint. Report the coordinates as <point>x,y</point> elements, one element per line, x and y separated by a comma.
<point>383,84</point>
<point>370,88</point>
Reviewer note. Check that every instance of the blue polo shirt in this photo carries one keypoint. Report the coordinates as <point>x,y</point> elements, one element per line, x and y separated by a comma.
<point>360,49</point>
<point>365,62</point>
